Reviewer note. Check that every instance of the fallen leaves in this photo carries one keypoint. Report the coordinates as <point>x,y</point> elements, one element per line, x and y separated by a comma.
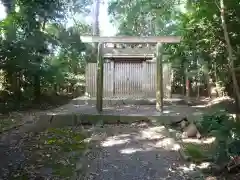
<point>53,153</point>
<point>7,123</point>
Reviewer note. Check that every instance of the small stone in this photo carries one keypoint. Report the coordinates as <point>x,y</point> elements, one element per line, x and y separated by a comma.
<point>211,178</point>
<point>194,175</point>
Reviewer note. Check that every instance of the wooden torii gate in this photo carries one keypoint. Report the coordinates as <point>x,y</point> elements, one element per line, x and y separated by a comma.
<point>159,40</point>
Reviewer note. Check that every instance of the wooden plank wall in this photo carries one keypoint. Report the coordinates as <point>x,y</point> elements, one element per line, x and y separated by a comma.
<point>126,79</point>
<point>91,79</point>
<point>149,79</point>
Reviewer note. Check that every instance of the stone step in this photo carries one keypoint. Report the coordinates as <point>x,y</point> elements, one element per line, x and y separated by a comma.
<point>127,101</point>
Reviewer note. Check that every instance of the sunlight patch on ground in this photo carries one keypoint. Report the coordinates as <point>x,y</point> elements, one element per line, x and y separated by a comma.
<point>123,135</point>
<point>189,168</point>
<point>145,148</point>
<point>155,137</point>
<point>204,165</point>
<point>192,167</point>
<point>168,144</point>
<point>209,140</point>
<point>130,150</point>
<point>115,140</point>
<point>214,101</point>
<point>159,134</point>
<point>200,106</point>
<point>171,130</point>
<point>152,133</point>
<point>51,114</point>
<point>167,112</point>
<point>97,137</point>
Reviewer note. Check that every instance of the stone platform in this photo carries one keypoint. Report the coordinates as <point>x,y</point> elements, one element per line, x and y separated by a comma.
<point>112,101</point>
<point>127,111</point>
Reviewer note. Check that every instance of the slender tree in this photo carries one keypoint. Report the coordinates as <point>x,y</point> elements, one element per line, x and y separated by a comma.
<point>230,52</point>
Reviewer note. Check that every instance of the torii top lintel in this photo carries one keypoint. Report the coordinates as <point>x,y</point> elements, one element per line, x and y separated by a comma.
<point>130,39</point>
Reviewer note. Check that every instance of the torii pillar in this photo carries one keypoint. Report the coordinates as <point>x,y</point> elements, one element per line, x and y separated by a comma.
<point>159,78</point>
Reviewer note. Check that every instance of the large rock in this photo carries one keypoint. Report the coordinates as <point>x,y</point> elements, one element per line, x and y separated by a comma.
<point>182,123</point>
<point>191,131</point>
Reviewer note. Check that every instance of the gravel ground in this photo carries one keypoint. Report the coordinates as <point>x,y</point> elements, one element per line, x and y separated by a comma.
<point>11,155</point>
<point>134,153</point>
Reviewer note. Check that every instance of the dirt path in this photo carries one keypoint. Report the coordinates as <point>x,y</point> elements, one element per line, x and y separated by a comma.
<point>11,155</point>
<point>43,155</point>
<point>119,152</point>
<point>134,153</point>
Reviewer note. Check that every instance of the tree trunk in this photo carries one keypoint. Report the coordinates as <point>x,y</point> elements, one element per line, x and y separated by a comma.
<point>215,72</point>
<point>18,85</point>
<point>37,77</point>
<point>183,79</point>
<point>230,53</point>
<point>96,53</point>
<point>11,78</point>
<point>37,88</point>
<point>207,80</point>
<point>187,84</point>
<point>96,29</point>
<point>183,85</point>
<point>9,5</point>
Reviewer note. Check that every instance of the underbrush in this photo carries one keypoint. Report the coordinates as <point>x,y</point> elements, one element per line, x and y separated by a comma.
<point>226,130</point>
<point>8,122</point>
<point>45,102</point>
<point>51,154</point>
<point>226,146</point>
<point>195,152</point>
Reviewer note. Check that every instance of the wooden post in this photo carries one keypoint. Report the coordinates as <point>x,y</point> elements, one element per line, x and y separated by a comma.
<point>144,79</point>
<point>171,82</point>
<point>99,104</point>
<point>113,78</point>
<point>159,79</point>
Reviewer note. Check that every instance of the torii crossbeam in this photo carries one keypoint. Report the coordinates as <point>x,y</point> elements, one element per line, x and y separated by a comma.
<point>159,40</point>
<point>131,39</point>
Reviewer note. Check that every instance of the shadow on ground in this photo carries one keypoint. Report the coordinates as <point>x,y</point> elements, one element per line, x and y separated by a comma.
<point>137,151</point>
<point>118,151</point>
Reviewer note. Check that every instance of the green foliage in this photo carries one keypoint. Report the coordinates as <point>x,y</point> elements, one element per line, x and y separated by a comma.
<point>37,50</point>
<point>227,132</point>
<point>67,139</point>
<point>7,123</point>
<point>202,48</point>
<point>219,120</point>
<point>194,151</point>
<point>56,150</point>
<point>143,17</point>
